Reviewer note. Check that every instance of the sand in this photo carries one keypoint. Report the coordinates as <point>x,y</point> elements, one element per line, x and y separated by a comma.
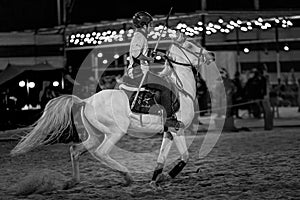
<point>244,165</point>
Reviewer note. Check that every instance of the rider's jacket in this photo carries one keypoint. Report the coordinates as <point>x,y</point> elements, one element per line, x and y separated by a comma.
<point>138,45</point>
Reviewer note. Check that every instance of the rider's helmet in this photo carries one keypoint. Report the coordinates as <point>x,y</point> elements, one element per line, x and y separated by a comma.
<point>141,18</point>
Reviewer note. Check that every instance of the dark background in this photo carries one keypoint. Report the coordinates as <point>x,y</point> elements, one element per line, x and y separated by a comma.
<point>32,14</point>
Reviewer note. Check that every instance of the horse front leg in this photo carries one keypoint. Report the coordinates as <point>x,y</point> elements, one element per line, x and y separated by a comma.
<point>180,142</point>
<point>161,160</point>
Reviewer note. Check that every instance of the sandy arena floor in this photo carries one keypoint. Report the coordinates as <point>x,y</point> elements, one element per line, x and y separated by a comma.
<point>244,165</point>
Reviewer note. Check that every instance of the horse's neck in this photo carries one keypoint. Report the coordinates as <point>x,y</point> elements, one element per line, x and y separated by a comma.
<point>183,73</point>
<point>186,79</point>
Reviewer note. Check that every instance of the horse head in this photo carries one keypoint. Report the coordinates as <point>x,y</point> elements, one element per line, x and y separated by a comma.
<point>189,53</point>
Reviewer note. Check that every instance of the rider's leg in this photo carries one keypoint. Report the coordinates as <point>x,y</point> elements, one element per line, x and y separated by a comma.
<point>180,142</point>
<point>165,92</point>
<point>163,154</point>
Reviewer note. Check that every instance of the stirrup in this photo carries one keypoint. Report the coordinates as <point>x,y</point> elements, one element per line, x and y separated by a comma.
<point>174,123</point>
<point>179,125</point>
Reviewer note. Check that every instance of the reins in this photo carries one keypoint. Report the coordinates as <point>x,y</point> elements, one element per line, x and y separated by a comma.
<point>179,83</point>
<point>182,49</point>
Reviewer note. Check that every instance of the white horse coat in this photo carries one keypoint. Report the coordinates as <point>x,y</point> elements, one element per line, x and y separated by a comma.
<point>108,112</point>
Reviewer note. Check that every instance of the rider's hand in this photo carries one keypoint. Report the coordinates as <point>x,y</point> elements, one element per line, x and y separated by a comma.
<point>144,58</point>
<point>153,54</point>
<point>161,54</point>
<point>150,60</point>
<point>157,53</point>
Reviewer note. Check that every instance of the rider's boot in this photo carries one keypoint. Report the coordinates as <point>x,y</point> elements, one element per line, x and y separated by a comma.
<point>173,122</point>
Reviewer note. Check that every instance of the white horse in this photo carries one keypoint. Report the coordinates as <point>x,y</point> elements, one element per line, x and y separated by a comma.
<point>108,114</point>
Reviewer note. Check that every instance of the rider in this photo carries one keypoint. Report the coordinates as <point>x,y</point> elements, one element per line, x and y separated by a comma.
<point>138,53</point>
<point>139,62</point>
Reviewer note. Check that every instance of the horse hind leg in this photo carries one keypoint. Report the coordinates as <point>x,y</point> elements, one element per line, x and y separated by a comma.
<point>91,143</point>
<point>102,154</point>
<point>77,150</point>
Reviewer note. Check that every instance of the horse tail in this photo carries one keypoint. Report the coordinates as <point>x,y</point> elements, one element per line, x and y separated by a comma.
<point>56,118</point>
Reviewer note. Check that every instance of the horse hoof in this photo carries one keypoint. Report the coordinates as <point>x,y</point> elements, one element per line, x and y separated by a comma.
<point>155,186</point>
<point>70,184</point>
<point>162,178</point>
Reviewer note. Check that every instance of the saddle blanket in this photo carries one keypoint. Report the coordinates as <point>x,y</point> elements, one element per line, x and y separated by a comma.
<point>146,123</point>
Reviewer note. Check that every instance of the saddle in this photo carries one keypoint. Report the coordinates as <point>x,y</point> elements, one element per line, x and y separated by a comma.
<point>156,99</point>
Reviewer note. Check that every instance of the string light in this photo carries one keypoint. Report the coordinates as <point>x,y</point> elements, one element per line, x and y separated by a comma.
<point>246,50</point>
<point>244,29</point>
<point>55,83</point>
<point>22,83</point>
<point>191,30</point>
<point>289,23</point>
<point>31,84</point>
<point>220,20</point>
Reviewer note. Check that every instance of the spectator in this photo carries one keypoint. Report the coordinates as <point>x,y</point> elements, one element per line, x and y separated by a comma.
<point>107,82</point>
<point>299,95</point>
<point>238,96</point>
<point>47,93</point>
<point>4,99</point>
<point>224,94</point>
<point>89,87</point>
<point>255,90</point>
<point>69,81</point>
<point>202,96</point>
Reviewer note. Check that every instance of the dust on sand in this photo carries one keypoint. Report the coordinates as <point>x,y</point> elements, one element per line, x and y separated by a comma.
<point>243,165</point>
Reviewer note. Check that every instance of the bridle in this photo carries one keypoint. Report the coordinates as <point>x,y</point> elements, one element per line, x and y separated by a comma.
<point>199,56</point>
<point>170,61</point>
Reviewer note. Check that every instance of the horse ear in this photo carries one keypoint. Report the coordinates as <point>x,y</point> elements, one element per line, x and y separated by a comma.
<point>179,37</point>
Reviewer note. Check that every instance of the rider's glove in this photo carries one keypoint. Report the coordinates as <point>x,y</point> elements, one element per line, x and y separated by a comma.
<point>157,53</point>
<point>153,54</point>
